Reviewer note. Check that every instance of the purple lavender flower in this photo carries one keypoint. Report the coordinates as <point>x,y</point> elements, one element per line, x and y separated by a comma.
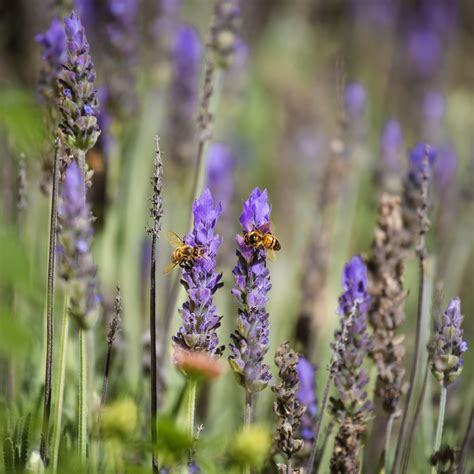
<point>78,103</point>
<point>352,345</point>
<point>220,169</point>
<point>201,281</point>
<point>75,235</point>
<point>355,99</point>
<point>186,62</point>
<point>121,28</point>
<point>424,49</point>
<point>354,282</point>
<point>306,395</point>
<point>434,106</point>
<point>53,43</point>
<point>416,158</point>
<point>391,146</point>
<point>252,283</point>
<point>447,346</point>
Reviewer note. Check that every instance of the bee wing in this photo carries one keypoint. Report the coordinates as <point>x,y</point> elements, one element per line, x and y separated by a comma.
<point>170,266</point>
<point>265,228</point>
<point>271,255</point>
<point>174,239</point>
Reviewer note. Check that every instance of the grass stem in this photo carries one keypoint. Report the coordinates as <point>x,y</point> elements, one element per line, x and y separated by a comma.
<point>50,307</point>
<point>83,408</point>
<point>60,384</point>
<point>439,427</point>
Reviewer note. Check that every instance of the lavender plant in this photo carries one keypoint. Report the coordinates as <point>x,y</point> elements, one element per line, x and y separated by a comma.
<point>77,269</point>
<point>78,103</point>
<point>446,349</point>
<point>201,281</point>
<point>416,224</point>
<point>53,43</point>
<point>287,406</point>
<point>252,283</point>
<point>352,407</point>
<point>156,214</point>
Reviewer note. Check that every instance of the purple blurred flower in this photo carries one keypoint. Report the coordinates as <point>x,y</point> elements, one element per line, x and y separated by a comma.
<point>306,395</point>
<point>53,43</point>
<point>79,103</point>
<point>186,52</point>
<point>75,236</point>
<point>122,31</point>
<point>252,283</point>
<point>416,158</point>
<point>446,165</point>
<point>424,49</point>
<point>220,173</point>
<point>201,281</point>
<point>434,106</point>
<point>392,146</point>
<point>355,99</point>
<point>447,345</point>
<point>354,282</point>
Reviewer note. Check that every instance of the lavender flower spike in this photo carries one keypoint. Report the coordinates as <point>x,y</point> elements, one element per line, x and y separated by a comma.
<point>447,346</point>
<point>306,395</point>
<point>53,43</point>
<point>75,235</point>
<point>78,104</point>
<point>351,346</point>
<point>252,283</point>
<point>201,281</point>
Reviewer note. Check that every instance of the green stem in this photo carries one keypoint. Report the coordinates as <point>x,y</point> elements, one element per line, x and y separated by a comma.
<point>248,417</point>
<point>439,428</point>
<point>83,397</point>
<point>191,407</point>
<point>388,435</point>
<point>60,385</point>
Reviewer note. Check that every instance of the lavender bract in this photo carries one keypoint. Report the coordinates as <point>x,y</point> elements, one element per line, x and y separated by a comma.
<point>75,236</point>
<point>352,346</point>
<point>306,395</point>
<point>53,43</point>
<point>447,345</point>
<point>79,103</point>
<point>201,281</point>
<point>252,283</point>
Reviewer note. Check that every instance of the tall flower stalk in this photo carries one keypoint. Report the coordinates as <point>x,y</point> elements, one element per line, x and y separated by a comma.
<point>386,314</point>
<point>415,194</point>
<point>446,349</point>
<point>198,332</point>
<point>250,340</point>
<point>287,407</point>
<point>156,214</point>
<point>78,271</point>
<point>349,348</point>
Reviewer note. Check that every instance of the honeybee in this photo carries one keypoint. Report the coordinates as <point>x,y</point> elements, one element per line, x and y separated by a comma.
<point>262,237</point>
<point>183,254</point>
